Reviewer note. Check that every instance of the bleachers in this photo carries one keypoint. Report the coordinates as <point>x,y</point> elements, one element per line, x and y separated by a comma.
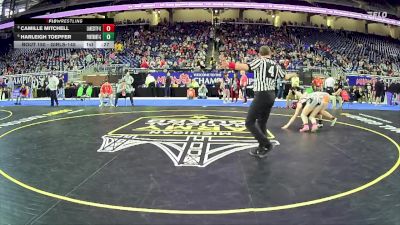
<point>185,45</point>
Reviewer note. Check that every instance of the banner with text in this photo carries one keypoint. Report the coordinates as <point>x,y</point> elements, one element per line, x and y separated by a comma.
<point>27,78</point>
<point>361,80</point>
<point>184,78</point>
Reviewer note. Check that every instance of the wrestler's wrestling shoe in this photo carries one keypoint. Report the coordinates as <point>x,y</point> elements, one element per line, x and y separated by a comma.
<point>314,128</point>
<point>333,122</point>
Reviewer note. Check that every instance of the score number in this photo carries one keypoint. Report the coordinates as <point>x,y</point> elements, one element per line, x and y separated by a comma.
<point>108,32</point>
<point>108,27</point>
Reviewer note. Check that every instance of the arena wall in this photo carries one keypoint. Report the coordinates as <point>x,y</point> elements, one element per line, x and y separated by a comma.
<point>318,20</point>
<point>349,24</point>
<point>192,15</point>
<point>287,17</point>
<point>257,14</point>
<point>229,14</point>
<point>379,29</point>
<point>133,15</point>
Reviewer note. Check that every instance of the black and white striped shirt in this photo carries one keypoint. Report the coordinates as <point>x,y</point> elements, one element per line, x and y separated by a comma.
<point>266,72</point>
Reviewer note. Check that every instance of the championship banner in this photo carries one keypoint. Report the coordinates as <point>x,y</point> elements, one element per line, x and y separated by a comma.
<point>185,78</point>
<point>27,78</point>
<point>357,80</point>
<point>361,80</point>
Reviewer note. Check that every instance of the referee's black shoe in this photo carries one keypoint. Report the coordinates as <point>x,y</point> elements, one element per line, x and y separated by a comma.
<point>263,151</point>
<point>254,151</point>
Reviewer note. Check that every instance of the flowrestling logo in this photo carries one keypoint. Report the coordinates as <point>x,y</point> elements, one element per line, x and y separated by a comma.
<point>188,140</point>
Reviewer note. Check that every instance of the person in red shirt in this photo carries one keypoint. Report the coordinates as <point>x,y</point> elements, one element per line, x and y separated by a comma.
<point>243,85</point>
<point>144,64</point>
<point>106,91</point>
<point>23,93</point>
<point>317,83</point>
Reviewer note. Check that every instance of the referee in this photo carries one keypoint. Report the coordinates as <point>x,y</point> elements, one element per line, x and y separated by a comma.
<point>266,72</point>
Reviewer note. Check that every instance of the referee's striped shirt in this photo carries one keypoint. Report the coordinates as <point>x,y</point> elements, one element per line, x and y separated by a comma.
<point>266,71</point>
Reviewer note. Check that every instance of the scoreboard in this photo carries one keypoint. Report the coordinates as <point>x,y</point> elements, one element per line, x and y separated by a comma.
<point>64,33</point>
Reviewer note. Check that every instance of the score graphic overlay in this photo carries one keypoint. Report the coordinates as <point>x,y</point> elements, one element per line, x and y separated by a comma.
<point>64,33</point>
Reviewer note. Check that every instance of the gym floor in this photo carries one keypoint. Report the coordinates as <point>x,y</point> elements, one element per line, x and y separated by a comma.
<point>185,166</point>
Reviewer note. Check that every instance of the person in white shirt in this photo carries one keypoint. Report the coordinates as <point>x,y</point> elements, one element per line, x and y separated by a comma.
<point>151,83</point>
<point>329,84</point>
<point>53,84</point>
<point>35,85</point>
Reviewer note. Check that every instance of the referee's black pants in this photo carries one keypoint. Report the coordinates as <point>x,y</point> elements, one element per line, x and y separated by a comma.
<point>257,117</point>
<point>53,97</point>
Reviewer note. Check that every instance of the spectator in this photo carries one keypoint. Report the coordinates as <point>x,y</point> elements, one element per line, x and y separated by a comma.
<point>191,93</point>
<point>124,90</point>
<point>336,96</point>
<point>235,87</point>
<point>106,91</point>
<point>280,87</point>
<point>151,83</point>
<point>203,91</point>
<point>53,85</point>
<point>194,84</point>
<point>34,87</point>
<point>168,81</point>
<point>317,83</point>
<point>10,88</point>
<point>23,93</point>
<point>61,89</point>
<point>226,88</point>
<point>380,90</point>
<point>243,85</point>
<point>329,84</point>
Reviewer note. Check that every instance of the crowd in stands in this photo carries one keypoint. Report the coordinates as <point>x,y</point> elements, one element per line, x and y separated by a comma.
<point>309,47</point>
<point>178,46</point>
<point>189,46</point>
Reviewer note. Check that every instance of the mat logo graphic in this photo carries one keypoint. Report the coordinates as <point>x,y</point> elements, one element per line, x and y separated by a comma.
<point>188,140</point>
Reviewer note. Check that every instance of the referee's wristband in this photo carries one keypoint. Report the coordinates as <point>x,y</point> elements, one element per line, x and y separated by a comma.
<point>232,65</point>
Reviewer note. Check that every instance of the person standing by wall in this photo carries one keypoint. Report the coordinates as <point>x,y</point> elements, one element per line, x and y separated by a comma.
<point>35,85</point>
<point>61,89</point>
<point>129,82</point>
<point>226,84</point>
<point>280,86</point>
<point>235,88</point>
<point>380,90</point>
<point>390,92</point>
<point>151,83</point>
<point>243,85</point>
<point>53,85</point>
<point>329,84</point>
<point>10,88</point>
<point>266,71</point>
<point>168,81</point>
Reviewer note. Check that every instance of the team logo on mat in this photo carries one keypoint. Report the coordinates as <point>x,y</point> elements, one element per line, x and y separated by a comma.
<point>188,140</point>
